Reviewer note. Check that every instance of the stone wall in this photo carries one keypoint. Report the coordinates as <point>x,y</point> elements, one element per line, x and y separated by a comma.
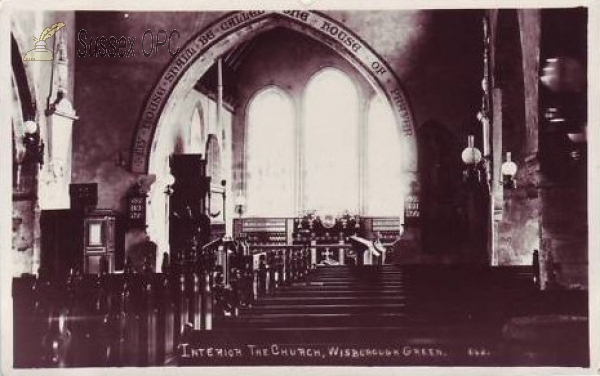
<point>25,208</point>
<point>434,58</point>
<point>435,54</point>
<point>548,209</point>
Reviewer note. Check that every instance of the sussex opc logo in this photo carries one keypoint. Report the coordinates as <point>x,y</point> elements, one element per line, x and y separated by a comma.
<point>41,51</point>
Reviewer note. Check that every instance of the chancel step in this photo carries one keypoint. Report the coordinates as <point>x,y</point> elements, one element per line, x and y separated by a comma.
<point>385,297</point>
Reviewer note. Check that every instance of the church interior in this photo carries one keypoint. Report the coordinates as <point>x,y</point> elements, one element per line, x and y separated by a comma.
<point>332,187</point>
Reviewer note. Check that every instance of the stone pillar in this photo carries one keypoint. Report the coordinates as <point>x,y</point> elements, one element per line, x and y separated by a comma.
<point>530,26</point>
<point>497,189</point>
<point>60,115</point>
<point>517,211</point>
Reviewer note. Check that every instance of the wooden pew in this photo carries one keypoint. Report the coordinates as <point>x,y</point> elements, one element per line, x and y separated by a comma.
<point>137,319</point>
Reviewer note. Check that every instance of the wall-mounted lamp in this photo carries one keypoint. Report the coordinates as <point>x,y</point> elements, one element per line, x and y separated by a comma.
<point>578,137</point>
<point>169,182</point>
<point>565,84</point>
<point>34,146</point>
<point>472,157</point>
<point>554,115</point>
<point>509,171</point>
<point>30,127</point>
<point>563,74</point>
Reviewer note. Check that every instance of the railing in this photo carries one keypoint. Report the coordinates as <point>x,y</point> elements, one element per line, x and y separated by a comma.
<point>334,253</point>
<point>137,319</point>
<point>276,265</point>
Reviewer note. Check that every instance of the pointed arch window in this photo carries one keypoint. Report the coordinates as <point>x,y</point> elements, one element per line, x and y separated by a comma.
<point>384,161</point>
<point>270,165</point>
<point>331,148</point>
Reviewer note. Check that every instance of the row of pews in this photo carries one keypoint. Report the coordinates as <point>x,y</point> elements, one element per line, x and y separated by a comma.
<point>137,319</point>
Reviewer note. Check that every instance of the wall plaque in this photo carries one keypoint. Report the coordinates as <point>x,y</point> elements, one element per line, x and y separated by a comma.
<point>136,211</point>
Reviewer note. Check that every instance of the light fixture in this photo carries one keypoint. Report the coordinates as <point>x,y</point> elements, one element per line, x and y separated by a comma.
<point>34,146</point>
<point>564,78</point>
<point>509,170</point>
<point>471,157</point>
<point>30,127</point>
<point>579,137</point>
<point>554,115</point>
<point>563,74</point>
<point>169,181</point>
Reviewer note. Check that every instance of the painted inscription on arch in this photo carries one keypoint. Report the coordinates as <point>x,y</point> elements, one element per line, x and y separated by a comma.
<point>342,38</point>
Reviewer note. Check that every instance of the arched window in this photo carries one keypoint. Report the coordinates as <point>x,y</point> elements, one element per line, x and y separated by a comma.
<point>331,156</point>
<point>270,154</point>
<point>384,164</point>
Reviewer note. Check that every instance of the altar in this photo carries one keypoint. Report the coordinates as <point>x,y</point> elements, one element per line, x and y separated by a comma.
<point>343,240</point>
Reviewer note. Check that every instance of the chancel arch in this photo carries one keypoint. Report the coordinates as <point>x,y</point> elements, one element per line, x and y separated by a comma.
<point>199,54</point>
<point>150,148</point>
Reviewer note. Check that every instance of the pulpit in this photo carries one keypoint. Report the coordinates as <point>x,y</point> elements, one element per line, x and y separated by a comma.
<point>189,225</point>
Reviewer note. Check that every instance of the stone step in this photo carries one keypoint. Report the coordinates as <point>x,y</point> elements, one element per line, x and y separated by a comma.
<point>293,315</point>
<point>317,300</point>
<point>354,279</point>
<point>351,283</point>
<point>358,273</point>
<point>382,296</point>
<point>325,308</point>
<point>363,267</point>
<point>350,334</point>
<point>298,294</point>
<point>396,306</point>
<point>341,290</point>
<point>343,320</point>
<point>336,320</point>
<point>336,323</point>
<point>369,274</point>
<point>354,273</point>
